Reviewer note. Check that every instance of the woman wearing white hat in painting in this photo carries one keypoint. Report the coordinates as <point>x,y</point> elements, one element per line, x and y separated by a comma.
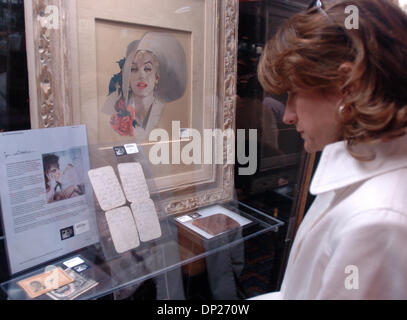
<point>153,73</point>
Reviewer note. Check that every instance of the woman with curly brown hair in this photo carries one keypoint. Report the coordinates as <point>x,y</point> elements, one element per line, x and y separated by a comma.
<point>347,96</point>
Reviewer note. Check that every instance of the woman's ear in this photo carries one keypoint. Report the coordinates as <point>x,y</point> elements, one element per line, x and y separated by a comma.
<point>345,69</point>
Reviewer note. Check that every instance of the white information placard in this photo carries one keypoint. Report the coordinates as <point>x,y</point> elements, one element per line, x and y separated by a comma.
<point>46,198</point>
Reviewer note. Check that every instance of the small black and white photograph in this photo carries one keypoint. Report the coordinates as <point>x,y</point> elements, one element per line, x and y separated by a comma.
<point>63,174</point>
<point>119,151</point>
<point>67,233</point>
<point>79,286</point>
<point>82,267</point>
<point>36,286</point>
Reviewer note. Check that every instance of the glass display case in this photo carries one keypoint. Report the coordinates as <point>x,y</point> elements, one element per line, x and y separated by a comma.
<point>160,260</point>
<point>113,232</point>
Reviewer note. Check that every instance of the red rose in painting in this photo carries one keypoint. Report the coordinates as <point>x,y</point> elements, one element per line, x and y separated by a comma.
<point>122,125</point>
<point>122,120</point>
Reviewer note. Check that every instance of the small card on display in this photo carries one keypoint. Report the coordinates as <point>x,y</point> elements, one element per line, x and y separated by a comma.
<point>183,219</point>
<point>73,262</point>
<point>131,148</point>
<point>79,286</point>
<point>120,151</point>
<point>45,282</point>
<point>147,221</point>
<point>82,267</point>
<point>107,188</point>
<point>122,229</point>
<point>128,226</point>
<point>184,134</point>
<point>133,181</point>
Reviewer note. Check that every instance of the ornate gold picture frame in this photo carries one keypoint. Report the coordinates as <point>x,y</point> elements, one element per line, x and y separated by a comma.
<point>74,47</point>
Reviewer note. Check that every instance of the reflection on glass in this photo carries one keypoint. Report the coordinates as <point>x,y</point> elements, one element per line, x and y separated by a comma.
<point>14,105</point>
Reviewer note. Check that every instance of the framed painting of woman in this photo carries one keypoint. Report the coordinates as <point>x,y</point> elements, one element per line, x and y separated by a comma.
<point>152,74</point>
<point>125,70</point>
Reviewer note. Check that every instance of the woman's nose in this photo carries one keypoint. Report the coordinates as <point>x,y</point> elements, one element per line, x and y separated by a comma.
<point>290,116</point>
<point>139,74</point>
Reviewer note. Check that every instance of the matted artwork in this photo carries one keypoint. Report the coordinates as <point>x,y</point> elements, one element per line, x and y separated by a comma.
<point>126,68</point>
<point>151,76</point>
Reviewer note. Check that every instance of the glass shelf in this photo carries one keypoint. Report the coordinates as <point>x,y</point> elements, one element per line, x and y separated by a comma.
<point>117,261</point>
<point>160,259</point>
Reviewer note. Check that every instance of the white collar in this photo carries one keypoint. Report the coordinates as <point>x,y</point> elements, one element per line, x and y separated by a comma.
<point>338,169</point>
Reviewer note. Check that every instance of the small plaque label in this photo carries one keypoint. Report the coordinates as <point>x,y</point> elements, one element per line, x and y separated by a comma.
<point>184,219</point>
<point>131,148</point>
<point>73,262</point>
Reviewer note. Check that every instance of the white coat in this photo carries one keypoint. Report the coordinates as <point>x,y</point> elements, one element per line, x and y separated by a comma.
<point>352,243</point>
